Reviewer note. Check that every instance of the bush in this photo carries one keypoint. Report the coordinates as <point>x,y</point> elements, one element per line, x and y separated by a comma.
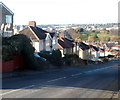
<point>19,45</point>
<point>7,53</point>
<point>71,59</point>
<point>45,55</point>
<point>105,59</point>
<point>55,58</point>
<point>110,56</point>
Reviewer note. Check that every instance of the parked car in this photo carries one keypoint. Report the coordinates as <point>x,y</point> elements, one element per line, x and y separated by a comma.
<point>37,56</point>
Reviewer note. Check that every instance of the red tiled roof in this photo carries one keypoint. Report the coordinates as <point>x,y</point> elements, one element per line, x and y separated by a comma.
<point>116,52</point>
<point>118,46</point>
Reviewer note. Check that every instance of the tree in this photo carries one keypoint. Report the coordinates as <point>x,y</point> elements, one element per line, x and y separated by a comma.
<point>93,37</point>
<point>56,58</point>
<point>19,45</point>
<point>73,33</point>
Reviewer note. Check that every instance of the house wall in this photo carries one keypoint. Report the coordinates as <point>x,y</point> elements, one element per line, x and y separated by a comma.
<point>107,53</point>
<point>102,54</point>
<point>96,54</point>
<point>76,50</point>
<point>48,45</point>
<point>116,48</point>
<point>4,13</point>
<point>84,54</point>
<point>0,15</point>
<point>55,43</point>
<point>62,52</point>
<point>36,46</point>
<point>66,51</point>
<point>41,45</point>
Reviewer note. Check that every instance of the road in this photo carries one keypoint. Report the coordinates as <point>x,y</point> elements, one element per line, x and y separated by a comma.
<point>95,81</point>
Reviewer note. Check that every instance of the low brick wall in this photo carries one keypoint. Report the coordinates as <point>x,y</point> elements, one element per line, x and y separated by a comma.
<point>7,66</point>
<point>10,66</point>
<point>18,61</point>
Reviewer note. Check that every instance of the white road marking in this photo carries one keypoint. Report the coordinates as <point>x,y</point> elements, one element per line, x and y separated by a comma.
<point>91,71</point>
<point>76,74</point>
<point>17,89</point>
<point>56,79</point>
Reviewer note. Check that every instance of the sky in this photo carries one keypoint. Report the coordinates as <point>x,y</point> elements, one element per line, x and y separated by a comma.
<point>63,11</point>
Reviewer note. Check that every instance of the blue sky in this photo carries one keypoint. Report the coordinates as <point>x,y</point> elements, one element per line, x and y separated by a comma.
<point>63,11</point>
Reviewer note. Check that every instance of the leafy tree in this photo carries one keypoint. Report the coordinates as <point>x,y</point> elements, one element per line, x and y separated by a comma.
<point>93,37</point>
<point>56,58</point>
<point>73,33</point>
<point>84,36</point>
<point>19,45</point>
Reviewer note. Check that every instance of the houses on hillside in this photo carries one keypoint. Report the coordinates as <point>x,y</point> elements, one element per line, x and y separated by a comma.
<point>44,41</point>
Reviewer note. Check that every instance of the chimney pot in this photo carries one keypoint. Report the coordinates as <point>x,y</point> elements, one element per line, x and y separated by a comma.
<point>32,23</point>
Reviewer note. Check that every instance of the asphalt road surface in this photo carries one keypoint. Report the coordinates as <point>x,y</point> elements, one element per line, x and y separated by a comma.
<point>96,81</point>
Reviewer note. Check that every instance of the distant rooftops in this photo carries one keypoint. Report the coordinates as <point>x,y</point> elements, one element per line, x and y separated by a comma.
<point>2,4</point>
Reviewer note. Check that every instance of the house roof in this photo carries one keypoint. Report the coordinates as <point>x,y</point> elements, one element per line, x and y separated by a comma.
<point>94,47</point>
<point>117,46</point>
<point>41,34</point>
<point>52,34</point>
<point>2,4</point>
<point>116,53</point>
<point>28,32</point>
<point>83,46</point>
<point>109,45</point>
<point>65,43</point>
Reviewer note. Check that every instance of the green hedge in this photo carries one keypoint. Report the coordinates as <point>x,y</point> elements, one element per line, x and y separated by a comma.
<point>71,59</point>
<point>55,58</point>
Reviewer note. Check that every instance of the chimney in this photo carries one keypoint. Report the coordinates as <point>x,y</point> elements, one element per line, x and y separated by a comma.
<point>32,23</point>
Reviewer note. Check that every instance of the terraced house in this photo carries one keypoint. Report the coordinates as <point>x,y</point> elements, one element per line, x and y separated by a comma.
<point>6,21</point>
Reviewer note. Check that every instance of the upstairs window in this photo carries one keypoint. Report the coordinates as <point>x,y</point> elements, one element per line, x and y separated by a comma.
<point>8,19</point>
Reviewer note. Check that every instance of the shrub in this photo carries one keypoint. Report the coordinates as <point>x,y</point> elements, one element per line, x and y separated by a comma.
<point>7,53</point>
<point>110,56</point>
<point>105,59</point>
<point>45,55</point>
<point>70,59</point>
<point>19,45</point>
<point>56,58</point>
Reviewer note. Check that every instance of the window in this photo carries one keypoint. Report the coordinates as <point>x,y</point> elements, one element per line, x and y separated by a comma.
<point>8,19</point>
